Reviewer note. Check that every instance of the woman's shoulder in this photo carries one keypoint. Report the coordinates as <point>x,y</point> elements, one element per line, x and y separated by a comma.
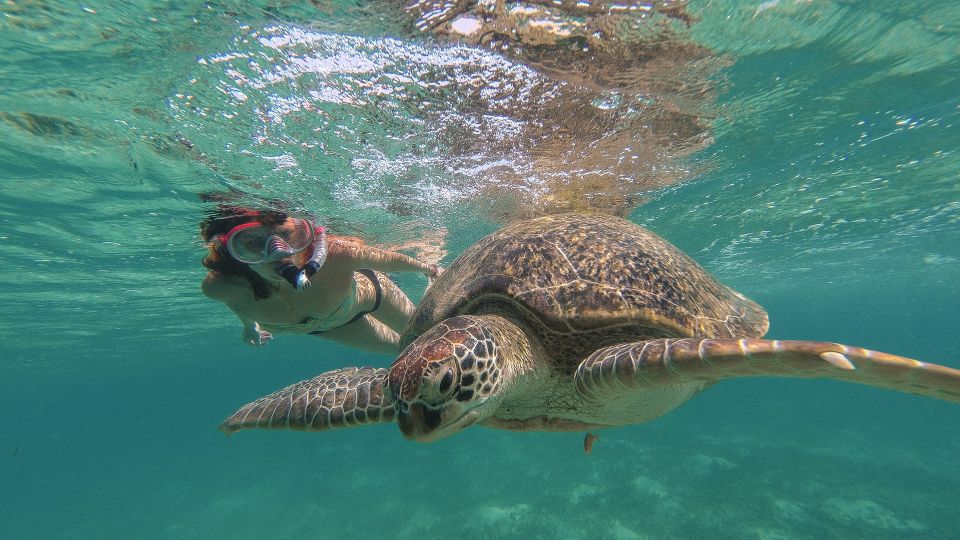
<point>344,242</point>
<point>343,248</point>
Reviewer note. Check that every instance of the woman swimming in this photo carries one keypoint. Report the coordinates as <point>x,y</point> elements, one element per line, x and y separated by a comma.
<point>284,274</point>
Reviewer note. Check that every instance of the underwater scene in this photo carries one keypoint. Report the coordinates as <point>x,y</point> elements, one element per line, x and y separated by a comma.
<point>805,153</point>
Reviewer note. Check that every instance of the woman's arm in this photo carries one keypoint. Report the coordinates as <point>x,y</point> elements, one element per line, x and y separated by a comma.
<point>229,292</point>
<point>361,256</point>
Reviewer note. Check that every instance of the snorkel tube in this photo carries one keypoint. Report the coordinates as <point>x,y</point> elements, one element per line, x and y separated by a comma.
<point>299,278</point>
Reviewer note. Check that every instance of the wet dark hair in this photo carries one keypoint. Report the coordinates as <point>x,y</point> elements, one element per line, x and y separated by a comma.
<point>220,220</point>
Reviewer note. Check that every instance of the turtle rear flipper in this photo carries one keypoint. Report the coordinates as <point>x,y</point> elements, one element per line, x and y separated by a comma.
<point>341,398</point>
<point>663,362</point>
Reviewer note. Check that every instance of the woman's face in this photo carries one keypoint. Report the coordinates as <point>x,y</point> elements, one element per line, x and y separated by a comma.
<point>255,242</point>
<point>267,248</point>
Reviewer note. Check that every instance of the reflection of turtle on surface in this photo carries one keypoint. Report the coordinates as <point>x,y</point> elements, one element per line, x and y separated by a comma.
<point>634,92</point>
<point>571,323</point>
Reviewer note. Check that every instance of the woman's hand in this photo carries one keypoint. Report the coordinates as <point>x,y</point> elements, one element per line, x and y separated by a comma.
<point>432,271</point>
<point>253,335</point>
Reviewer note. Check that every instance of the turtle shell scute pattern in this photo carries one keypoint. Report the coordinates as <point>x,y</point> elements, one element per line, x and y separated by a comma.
<point>575,274</point>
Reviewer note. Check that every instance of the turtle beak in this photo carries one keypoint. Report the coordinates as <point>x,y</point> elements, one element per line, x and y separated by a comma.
<point>419,423</point>
<point>422,423</point>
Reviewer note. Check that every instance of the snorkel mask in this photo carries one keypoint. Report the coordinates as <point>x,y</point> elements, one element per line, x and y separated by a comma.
<point>256,243</point>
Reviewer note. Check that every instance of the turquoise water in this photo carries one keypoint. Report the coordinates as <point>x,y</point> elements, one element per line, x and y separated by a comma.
<point>803,152</point>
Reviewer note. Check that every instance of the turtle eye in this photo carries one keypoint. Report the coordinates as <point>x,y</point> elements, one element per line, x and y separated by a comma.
<point>439,385</point>
<point>446,381</point>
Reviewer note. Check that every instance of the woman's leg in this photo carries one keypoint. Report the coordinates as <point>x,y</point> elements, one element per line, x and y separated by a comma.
<point>368,334</point>
<point>395,308</point>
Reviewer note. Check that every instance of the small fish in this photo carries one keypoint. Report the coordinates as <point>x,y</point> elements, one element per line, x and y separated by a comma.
<point>588,442</point>
<point>15,450</point>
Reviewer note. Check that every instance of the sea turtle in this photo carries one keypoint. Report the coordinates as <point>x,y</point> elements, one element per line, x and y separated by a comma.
<point>571,323</point>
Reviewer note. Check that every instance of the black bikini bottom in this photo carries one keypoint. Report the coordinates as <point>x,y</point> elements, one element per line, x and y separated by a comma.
<point>378,290</point>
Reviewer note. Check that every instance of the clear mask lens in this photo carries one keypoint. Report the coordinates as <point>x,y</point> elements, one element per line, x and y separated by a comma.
<point>255,243</point>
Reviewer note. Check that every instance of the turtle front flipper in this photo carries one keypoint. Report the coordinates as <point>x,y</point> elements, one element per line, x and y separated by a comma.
<point>341,398</point>
<point>664,362</point>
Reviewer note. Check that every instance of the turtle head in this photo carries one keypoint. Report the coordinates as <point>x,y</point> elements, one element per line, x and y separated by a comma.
<point>448,379</point>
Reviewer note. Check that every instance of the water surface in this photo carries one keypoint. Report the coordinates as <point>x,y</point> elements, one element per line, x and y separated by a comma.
<point>803,152</point>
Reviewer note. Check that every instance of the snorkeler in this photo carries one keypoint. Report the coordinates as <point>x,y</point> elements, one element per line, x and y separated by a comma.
<point>284,274</point>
